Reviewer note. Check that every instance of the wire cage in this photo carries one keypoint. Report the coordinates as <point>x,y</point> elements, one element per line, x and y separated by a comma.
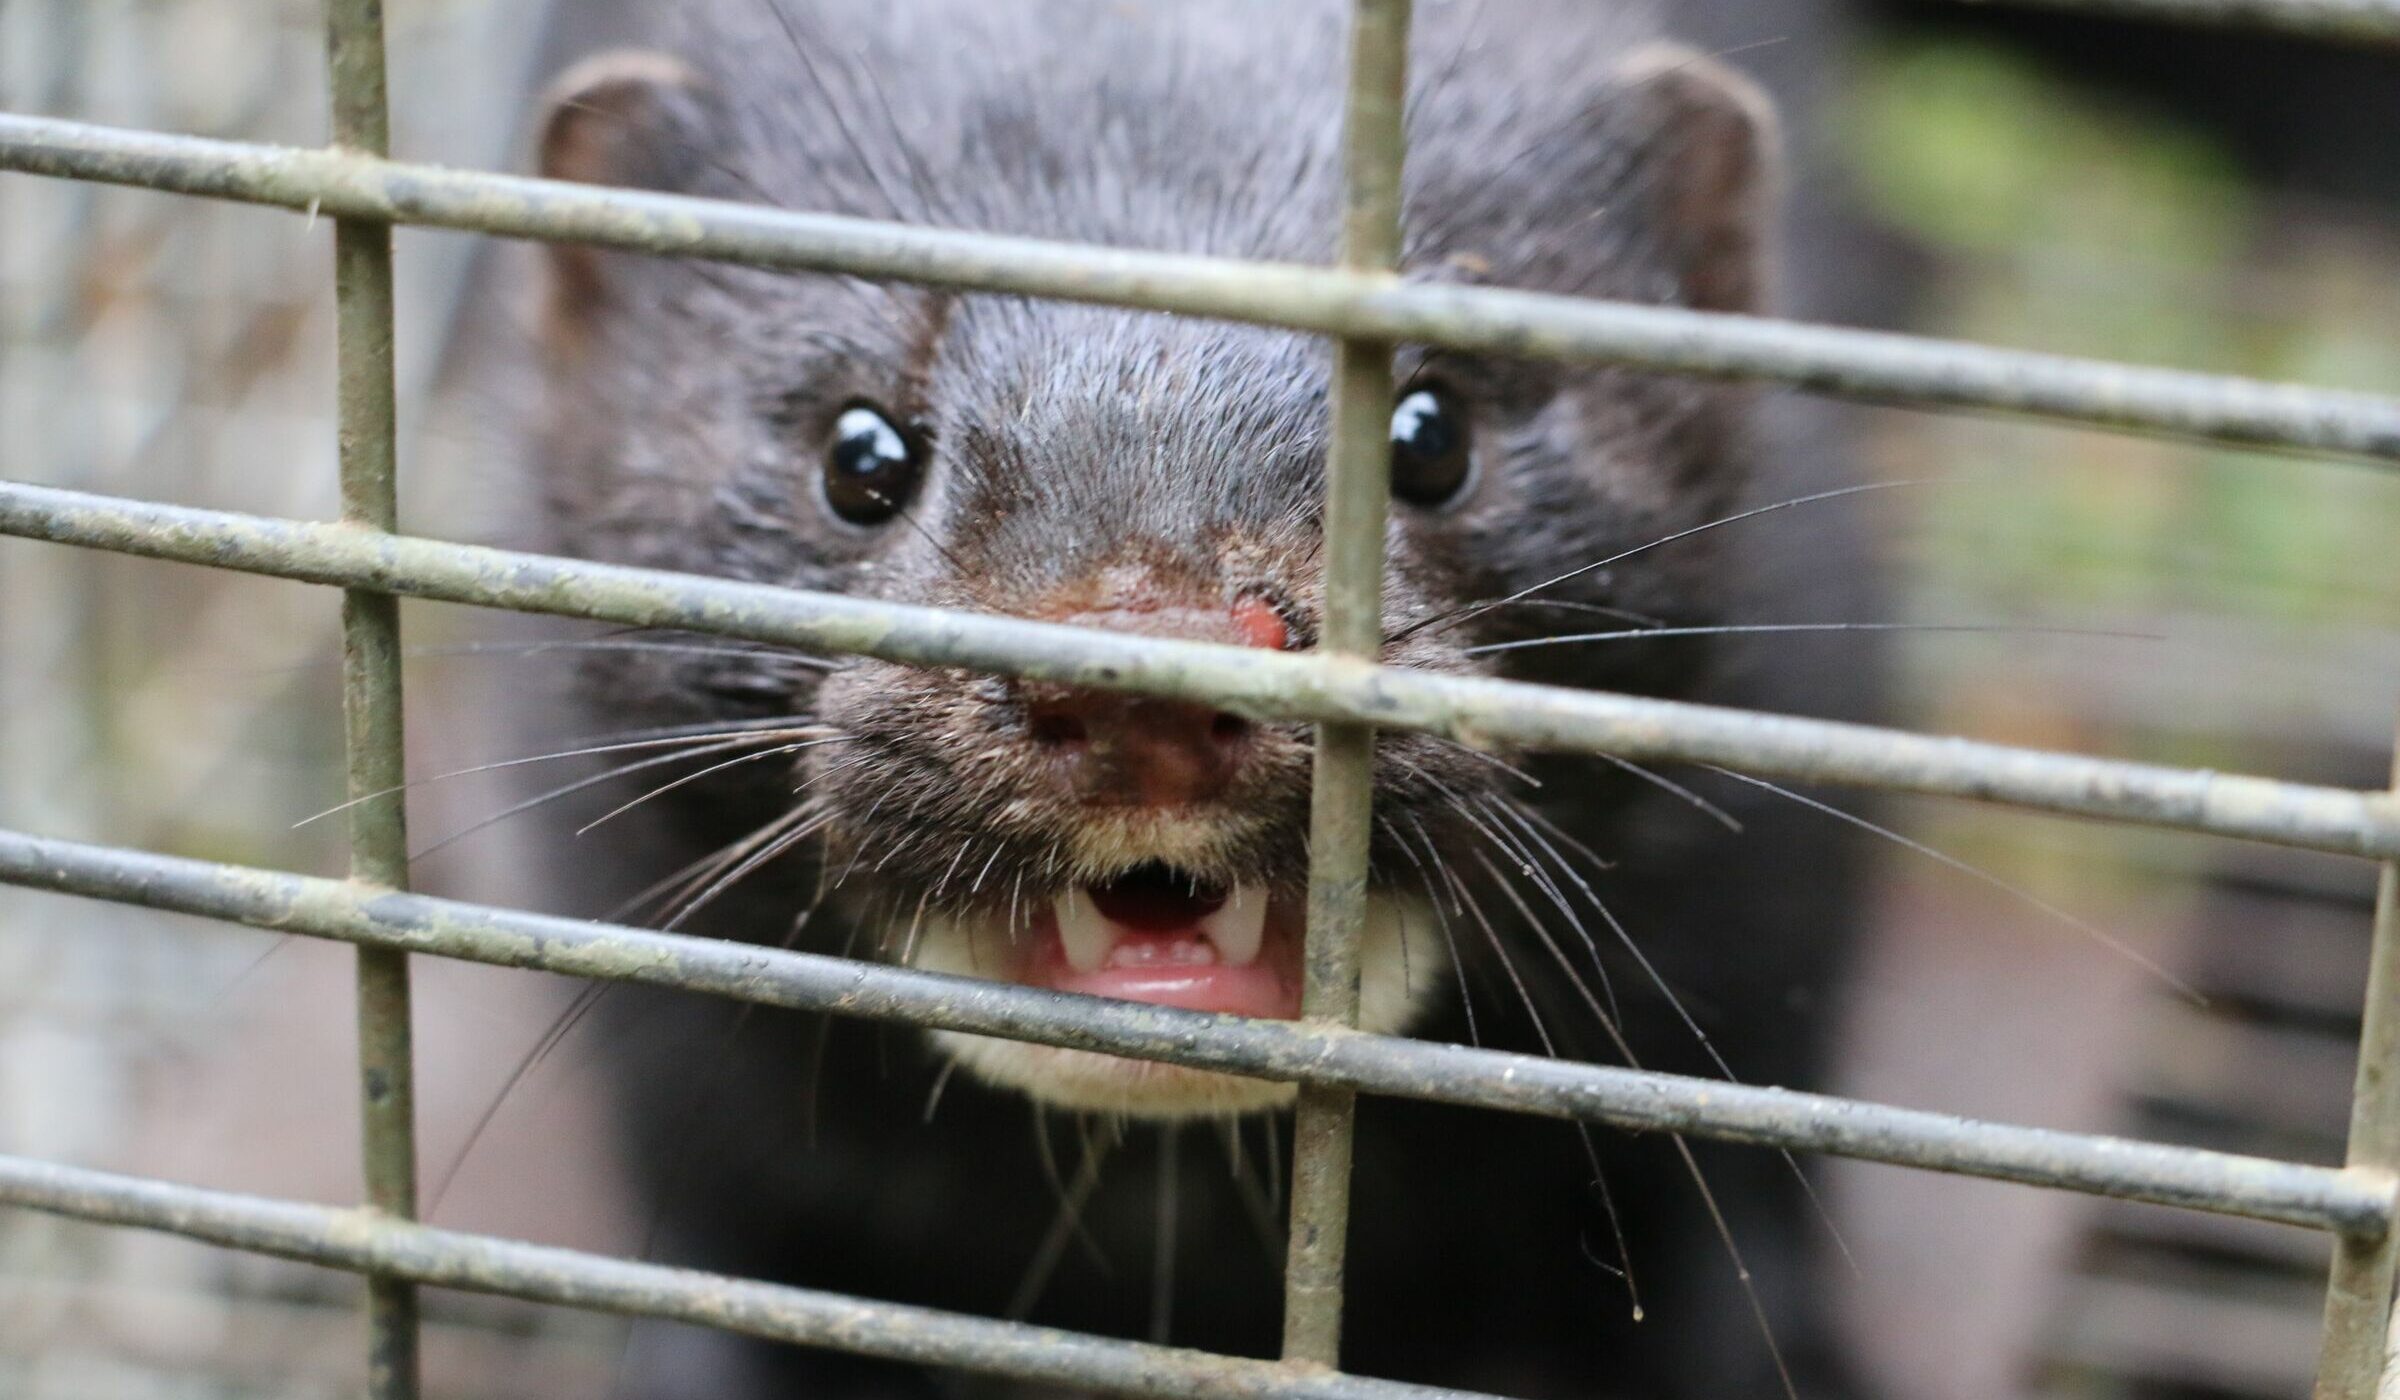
<point>1366,310</point>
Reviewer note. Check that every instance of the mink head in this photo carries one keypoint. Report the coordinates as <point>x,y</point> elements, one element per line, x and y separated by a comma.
<point>1129,470</point>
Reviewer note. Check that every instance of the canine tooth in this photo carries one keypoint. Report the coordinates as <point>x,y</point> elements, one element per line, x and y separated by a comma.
<point>1238,926</point>
<point>1083,931</point>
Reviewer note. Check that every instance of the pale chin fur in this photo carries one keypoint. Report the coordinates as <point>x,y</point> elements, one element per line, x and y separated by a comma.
<point>1400,967</point>
<point>1104,843</point>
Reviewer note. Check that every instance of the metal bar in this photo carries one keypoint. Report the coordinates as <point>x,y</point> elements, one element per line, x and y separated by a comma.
<point>1342,791</point>
<point>2389,1387</point>
<point>371,706</point>
<point>2358,1298</point>
<point>2367,21</point>
<point>1262,684</point>
<point>2326,1198</point>
<point>380,1247</point>
<point>1824,359</point>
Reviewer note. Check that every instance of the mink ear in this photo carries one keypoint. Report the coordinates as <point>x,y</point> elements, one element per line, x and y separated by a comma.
<point>631,117</point>
<point>1710,147</point>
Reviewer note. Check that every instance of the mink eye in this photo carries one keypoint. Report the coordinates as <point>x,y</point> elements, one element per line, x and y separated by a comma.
<point>1432,449</point>
<point>871,466</point>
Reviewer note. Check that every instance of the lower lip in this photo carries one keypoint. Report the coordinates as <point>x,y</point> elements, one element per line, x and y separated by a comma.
<point>1267,987</point>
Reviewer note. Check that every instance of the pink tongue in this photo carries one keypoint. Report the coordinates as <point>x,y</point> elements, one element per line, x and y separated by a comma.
<point>1160,956</point>
<point>1153,904</point>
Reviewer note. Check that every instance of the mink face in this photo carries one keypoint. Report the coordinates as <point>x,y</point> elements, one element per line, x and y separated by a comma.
<point>1134,471</point>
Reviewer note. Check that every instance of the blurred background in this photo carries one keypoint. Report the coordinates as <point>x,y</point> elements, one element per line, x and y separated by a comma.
<point>2215,200</point>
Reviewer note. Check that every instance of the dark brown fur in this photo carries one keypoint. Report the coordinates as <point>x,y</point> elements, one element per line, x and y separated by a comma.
<point>1082,452</point>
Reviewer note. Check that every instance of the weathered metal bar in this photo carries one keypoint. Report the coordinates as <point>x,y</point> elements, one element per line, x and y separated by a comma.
<point>371,708</point>
<point>2366,21</point>
<point>1262,684</point>
<point>2358,1298</point>
<point>1342,792</point>
<point>380,1247</point>
<point>1859,364</point>
<point>2327,1198</point>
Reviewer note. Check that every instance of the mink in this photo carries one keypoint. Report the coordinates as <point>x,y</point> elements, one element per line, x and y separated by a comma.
<point>1164,475</point>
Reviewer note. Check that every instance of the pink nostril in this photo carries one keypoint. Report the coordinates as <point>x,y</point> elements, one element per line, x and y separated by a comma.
<point>1257,624</point>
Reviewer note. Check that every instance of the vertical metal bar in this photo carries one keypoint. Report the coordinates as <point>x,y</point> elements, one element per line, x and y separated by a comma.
<point>1341,804</point>
<point>371,681</point>
<point>2358,1301</point>
<point>2389,1387</point>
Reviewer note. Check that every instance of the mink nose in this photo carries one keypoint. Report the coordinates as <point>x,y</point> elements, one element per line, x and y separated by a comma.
<point>1130,750</point>
<point>1134,750</point>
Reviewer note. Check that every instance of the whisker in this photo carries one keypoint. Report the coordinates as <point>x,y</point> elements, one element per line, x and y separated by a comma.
<point>916,925</point>
<point>812,1086</point>
<point>1533,1013</point>
<point>568,790</point>
<point>1764,628</point>
<point>804,822</point>
<point>1566,965</point>
<point>977,887</point>
<point>908,820</point>
<point>584,1000</point>
<point>1483,756</point>
<point>692,875</point>
<point>1683,1148</point>
<point>740,858</point>
<point>1458,966</point>
<point>688,778</point>
<point>943,883</point>
<point>1595,609</point>
<point>1515,850</point>
<point>2082,925</point>
<point>786,730</point>
<point>1741,1267</point>
<point>1608,1200</point>
<point>835,108</point>
<point>1058,1182</point>
<point>1067,1226</point>
<point>1708,1046</point>
<point>1691,1163</point>
<point>1660,780</point>
<point>941,1081</point>
<point>1549,887</point>
<point>858,849</point>
<point>1249,1187</point>
<point>1472,610</point>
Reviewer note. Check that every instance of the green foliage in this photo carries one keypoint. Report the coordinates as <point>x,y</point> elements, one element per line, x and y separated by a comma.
<point>2069,220</point>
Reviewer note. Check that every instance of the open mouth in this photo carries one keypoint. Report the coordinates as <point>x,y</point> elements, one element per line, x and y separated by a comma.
<point>1165,936</point>
<point>1159,933</point>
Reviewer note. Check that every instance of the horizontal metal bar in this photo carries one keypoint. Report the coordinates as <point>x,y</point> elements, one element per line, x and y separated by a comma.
<point>2351,1202</point>
<point>1260,684</point>
<point>2357,20</point>
<point>1356,304</point>
<point>363,1242</point>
